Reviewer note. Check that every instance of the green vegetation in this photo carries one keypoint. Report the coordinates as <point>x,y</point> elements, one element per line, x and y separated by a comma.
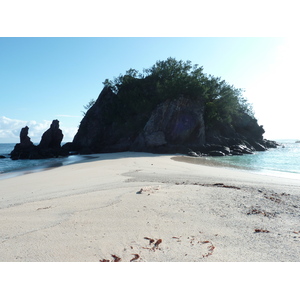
<point>88,106</point>
<point>139,93</point>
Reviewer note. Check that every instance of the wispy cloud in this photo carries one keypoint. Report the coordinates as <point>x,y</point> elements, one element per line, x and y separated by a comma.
<point>10,130</point>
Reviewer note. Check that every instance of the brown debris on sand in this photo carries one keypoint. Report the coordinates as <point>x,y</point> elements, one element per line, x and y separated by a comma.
<point>261,230</point>
<point>155,246</point>
<point>209,185</point>
<point>43,208</point>
<point>136,256</point>
<point>157,243</point>
<point>148,189</point>
<point>150,240</point>
<point>254,211</point>
<point>115,257</point>
<point>225,186</point>
<point>210,248</point>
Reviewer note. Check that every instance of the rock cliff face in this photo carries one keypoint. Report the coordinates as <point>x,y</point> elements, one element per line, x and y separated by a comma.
<point>49,146</point>
<point>96,133</point>
<point>173,126</point>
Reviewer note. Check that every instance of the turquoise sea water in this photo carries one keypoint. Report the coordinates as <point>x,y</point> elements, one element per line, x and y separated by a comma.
<point>283,161</point>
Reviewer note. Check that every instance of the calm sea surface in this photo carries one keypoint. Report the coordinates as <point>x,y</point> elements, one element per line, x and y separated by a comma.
<point>283,161</point>
<point>10,168</point>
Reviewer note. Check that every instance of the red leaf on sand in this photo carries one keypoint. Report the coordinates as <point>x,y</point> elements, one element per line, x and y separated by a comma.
<point>157,242</point>
<point>116,258</point>
<point>150,240</point>
<point>136,256</point>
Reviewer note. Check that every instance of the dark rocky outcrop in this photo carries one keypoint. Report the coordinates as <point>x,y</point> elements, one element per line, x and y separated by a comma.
<point>52,137</point>
<point>95,134</point>
<point>216,153</point>
<point>172,126</point>
<point>25,148</point>
<point>50,145</point>
<point>24,138</point>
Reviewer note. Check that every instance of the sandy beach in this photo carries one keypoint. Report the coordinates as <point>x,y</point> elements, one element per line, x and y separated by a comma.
<point>142,207</point>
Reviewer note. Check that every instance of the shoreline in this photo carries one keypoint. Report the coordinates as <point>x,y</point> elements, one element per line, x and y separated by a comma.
<point>47,164</point>
<point>211,162</point>
<point>113,205</point>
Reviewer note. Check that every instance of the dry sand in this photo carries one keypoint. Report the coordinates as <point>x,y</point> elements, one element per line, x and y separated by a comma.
<point>141,207</point>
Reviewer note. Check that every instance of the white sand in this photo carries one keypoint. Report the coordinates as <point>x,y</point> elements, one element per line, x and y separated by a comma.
<point>107,206</point>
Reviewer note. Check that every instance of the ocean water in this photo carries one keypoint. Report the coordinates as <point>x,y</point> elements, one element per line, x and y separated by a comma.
<point>10,168</point>
<point>283,161</point>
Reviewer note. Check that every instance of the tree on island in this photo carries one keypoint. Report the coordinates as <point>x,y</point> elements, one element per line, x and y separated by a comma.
<point>170,79</point>
<point>88,106</point>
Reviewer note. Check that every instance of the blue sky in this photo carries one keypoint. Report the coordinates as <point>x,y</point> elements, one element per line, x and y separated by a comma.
<point>42,79</point>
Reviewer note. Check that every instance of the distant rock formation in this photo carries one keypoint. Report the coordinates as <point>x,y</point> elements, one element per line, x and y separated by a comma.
<point>24,138</point>
<point>25,148</point>
<point>50,145</point>
<point>51,139</point>
<point>173,126</point>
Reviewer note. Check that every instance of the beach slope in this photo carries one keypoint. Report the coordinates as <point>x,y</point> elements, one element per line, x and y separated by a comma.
<point>143,207</point>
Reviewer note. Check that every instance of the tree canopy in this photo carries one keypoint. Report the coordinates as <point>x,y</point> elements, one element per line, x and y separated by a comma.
<point>169,79</point>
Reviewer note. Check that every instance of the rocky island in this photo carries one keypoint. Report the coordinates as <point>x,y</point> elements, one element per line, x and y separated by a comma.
<point>173,107</point>
<point>49,146</point>
<point>142,207</point>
